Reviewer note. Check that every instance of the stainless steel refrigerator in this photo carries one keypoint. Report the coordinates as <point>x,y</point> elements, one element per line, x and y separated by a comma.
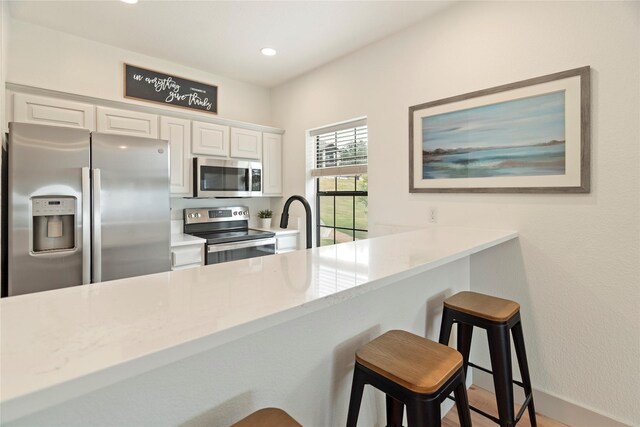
<point>84,207</point>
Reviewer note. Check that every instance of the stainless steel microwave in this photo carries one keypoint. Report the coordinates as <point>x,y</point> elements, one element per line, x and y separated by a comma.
<point>226,178</point>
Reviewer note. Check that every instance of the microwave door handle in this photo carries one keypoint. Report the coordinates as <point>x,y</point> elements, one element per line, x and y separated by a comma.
<point>86,226</point>
<point>231,246</point>
<point>97,227</point>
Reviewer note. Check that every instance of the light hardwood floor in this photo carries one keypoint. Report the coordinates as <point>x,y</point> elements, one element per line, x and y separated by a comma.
<point>486,401</point>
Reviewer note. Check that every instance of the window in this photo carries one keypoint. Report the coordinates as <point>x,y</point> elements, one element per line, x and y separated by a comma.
<point>341,182</point>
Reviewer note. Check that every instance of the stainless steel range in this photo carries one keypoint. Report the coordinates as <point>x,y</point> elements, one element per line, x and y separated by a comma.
<point>227,233</point>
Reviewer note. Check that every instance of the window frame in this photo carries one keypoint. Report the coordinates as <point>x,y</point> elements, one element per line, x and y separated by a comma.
<point>355,165</point>
<point>335,193</point>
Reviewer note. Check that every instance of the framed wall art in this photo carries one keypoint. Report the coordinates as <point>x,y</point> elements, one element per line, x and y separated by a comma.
<point>531,136</point>
<point>162,88</point>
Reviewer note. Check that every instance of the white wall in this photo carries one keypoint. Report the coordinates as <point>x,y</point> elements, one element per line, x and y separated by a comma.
<point>4,44</point>
<point>578,260</point>
<point>54,60</point>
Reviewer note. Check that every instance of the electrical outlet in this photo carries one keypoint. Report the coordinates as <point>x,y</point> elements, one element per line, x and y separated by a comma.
<point>433,215</point>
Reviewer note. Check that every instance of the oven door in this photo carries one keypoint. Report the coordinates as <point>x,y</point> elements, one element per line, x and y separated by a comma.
<point>224,252</point>
<point>226,178</point>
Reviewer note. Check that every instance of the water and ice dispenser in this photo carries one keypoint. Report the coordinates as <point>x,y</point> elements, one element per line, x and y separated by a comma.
<point>53,222</point>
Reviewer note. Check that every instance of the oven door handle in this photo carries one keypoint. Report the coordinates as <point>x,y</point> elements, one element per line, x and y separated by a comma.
<point>242,245</point>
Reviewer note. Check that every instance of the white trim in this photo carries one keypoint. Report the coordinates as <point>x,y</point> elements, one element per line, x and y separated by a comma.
<point>340,171</point>
<point>553,406</point>
<point>203,117</point>
<point>335,127</point>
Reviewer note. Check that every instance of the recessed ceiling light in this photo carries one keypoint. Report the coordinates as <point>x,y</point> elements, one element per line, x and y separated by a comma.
<point>129,1</point>
<point>268,51</point>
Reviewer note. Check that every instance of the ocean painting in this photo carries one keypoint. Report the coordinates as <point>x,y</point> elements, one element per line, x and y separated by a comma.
<point>522,137</point>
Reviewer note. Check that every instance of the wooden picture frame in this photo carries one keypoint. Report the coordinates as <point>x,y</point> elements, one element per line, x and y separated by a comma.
<point>532,136</point>
<point>155,86</point>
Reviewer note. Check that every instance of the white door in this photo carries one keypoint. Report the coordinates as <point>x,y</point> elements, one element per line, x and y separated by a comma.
<point>123,122</point>
<point>246,144</point>
<point>178,133</point>
<point>51,111</point>
<point>210,139</point>
<point>271,164</point>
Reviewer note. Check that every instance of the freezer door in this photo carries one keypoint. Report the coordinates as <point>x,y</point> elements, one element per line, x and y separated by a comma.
<point>48,169</point>
<point>131,213</point>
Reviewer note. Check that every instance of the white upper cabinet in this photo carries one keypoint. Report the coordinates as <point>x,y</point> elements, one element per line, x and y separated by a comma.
<point>178,133</point>
<point>210,139</point>
<point>246,144</point>
<point>124,122</point>
<point>51,111</point>
<point>271,164</point>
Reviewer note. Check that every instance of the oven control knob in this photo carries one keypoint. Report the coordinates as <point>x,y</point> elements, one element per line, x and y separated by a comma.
<point>235,213</point>
<point>246,212</point>
<point>198,215</point>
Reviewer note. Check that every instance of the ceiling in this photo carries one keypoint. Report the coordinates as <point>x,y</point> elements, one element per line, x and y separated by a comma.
<point>225,37</point>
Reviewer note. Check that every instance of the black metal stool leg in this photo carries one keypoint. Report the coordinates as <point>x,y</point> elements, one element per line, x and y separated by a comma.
<point>465,332</point>
<point>357,389</point>
<point>500,351</point>
<point>423,414</point>
<point>395,412</point>
<point>518,344</point>
<point>462,403</point>
<point>445,326</point>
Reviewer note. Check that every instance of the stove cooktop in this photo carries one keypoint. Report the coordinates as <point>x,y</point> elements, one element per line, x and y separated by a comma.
<point>229,236</point>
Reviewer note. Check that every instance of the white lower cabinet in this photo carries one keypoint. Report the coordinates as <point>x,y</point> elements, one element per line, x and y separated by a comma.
<point>187,256</point>
<point>178,133</point>
<point>271,164</point>
<point>125,122</point>
<point>42,110</point>
<point>286,243</point>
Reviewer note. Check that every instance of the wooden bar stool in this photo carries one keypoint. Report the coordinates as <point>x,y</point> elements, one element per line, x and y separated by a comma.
<point>268,417</point>
<point>498,317</point>
<point>412,371</point>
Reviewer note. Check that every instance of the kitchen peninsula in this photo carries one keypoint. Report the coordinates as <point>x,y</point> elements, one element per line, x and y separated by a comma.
<point>208,345</point>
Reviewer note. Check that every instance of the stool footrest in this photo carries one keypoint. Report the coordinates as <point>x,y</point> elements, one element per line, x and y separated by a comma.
<point>523,408</point>
<point>473,365</point>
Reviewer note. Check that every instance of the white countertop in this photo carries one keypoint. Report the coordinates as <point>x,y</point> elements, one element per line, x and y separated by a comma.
<point>61,344</point>
<point>181,239</point>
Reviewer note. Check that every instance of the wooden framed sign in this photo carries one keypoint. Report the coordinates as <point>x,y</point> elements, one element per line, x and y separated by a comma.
<point>153,86</point>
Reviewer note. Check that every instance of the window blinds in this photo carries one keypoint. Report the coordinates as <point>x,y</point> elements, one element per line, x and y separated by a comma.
<point>341,149</point>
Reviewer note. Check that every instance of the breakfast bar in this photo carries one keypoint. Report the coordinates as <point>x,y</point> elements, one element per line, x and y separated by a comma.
<point>209,345</point>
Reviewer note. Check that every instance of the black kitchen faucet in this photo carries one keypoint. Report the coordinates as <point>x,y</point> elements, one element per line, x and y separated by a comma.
<point>284,218</point>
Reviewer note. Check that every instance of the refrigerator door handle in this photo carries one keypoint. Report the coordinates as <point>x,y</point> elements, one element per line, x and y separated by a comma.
<point>86,227</point>
<point>97,228</point>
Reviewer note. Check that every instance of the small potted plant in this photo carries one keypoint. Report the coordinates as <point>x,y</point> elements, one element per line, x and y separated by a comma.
<point>264,218</point>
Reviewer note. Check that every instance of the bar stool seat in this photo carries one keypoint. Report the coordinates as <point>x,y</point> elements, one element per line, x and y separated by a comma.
<point>268,417</point>
<point>412,371</point>
<point>481,305</point>
<point>416,363</point>
<point>501,319</point>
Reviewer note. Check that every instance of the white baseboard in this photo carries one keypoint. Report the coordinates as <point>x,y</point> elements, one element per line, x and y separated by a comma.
<point>553,406</point>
